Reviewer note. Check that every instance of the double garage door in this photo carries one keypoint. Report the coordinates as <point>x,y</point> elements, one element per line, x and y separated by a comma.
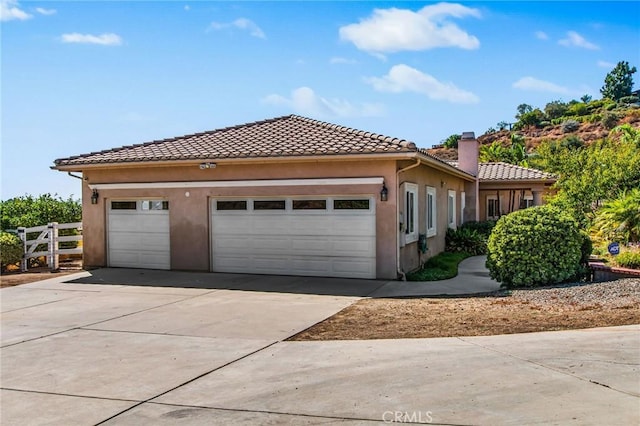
<point>323,236</point>
<point>330,237</point>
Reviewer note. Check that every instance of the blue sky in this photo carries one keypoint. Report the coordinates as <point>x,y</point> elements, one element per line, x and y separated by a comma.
<point>84,76</point>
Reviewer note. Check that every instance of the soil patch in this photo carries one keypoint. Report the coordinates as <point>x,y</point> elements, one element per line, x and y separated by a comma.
<point>13,278</point>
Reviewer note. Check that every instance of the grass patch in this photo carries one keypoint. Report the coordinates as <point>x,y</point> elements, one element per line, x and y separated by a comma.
<point>440,267</point>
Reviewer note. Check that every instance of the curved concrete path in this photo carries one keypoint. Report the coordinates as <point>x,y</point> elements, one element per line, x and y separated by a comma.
<point>473,278</point>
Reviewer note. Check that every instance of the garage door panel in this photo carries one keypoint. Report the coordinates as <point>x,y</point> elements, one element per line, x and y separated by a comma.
<point>295,242</point>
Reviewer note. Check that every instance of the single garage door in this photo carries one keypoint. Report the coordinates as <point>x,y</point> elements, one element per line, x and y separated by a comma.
<point>139,234</point>
<point>331,237</point>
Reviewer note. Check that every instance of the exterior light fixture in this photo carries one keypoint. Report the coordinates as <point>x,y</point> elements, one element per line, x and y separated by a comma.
<point>384,193</point>
<point>204,166</point>
<point>94,196</point>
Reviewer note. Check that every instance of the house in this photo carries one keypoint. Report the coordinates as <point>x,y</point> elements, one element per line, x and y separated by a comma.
<point>289,195</point>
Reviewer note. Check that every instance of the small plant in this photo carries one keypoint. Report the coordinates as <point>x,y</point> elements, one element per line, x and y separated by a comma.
<point>570,126</point>
<point>610,120</point>
<point>629,259</point>
<point>440,267</point>
<point>466,240</point>
<point>10,249</point>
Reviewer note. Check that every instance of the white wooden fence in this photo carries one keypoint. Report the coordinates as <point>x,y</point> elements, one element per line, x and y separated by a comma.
<point>48,234</point>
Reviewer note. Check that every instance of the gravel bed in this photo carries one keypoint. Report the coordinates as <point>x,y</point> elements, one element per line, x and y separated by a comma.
<point>623,293</point>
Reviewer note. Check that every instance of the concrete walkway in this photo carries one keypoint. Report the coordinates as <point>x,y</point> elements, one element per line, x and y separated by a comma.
<point>473,278</point>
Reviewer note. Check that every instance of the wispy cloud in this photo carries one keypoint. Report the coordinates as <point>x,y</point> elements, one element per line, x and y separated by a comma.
<point>605,64</point>
<point>243,24</point>
<point>187,7</point>
<point>576,40</point>
<point>340,60</point>
<point>10,10</point>
<point>394,30</point>
<point>541,35</point>
<point>536,85</point>
<point>107,39</point>
<point>305,101</point>
<point>47,12</point>
<point>402,78</point>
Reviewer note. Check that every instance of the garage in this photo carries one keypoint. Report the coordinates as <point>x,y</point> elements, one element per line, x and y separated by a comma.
<point>138,234</point>
<point>320,236</point>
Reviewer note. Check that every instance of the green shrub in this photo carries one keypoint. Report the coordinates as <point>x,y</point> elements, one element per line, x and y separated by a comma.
<point>570,126</point>
<point>466,240</point>
<point>610,120</point>
<point>483,227</point>
<point>440,267</point>
<point>629,259</point>
<point>10,249</point>
<point>533,247</point>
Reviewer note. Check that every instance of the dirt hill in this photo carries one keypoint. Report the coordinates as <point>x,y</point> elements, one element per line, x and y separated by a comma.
<point>588,132</point>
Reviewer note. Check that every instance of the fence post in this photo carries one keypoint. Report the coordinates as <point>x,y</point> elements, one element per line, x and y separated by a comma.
<point>53,246</point>
<point>22,234</point>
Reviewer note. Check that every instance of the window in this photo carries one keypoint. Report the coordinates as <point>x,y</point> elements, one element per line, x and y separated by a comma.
<point>351,204</point>
<point>123,205</point>
<point>432,210</point>
<point>410,212</point>
<point>310,204</point>
<point>155,205</point>
<point>231,205</point>
<point>463,203</point>
<point>493,208</point>
<point>451,209</point>
<point>526,202</point>
<point>269,205</point>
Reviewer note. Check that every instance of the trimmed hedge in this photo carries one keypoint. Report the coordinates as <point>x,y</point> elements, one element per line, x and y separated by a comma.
<point>534,247</point>
<point>629,259</point>
<point>10,249</point>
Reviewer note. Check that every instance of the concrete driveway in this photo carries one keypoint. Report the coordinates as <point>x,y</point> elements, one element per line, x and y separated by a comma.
<point>96,353</point>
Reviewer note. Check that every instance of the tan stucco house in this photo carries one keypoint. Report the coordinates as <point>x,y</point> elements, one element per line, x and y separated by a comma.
<point>289,195</point>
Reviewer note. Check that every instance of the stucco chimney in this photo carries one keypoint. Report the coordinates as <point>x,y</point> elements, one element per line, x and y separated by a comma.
<point>468,153</point>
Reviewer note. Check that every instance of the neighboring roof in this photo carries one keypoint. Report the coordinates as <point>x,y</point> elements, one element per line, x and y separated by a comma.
<point>505,171</point>
<point>288,136</point>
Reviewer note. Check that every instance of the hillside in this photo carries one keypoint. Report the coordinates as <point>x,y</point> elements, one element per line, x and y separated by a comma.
<point>587,132</point>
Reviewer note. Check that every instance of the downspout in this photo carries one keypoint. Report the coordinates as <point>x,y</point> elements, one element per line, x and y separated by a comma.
<point>398,269</point>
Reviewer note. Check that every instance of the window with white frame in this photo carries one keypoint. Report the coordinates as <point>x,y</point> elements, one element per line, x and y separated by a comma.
<point>432,220</point>
<point>463,203</point>
<point>410,212</point>
<point>493,207</point>
<point>526,202</point>
<point>451,209</point>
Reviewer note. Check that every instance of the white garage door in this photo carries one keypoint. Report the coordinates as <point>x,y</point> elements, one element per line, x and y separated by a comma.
<point>139,234</point>
<point>331,237</point>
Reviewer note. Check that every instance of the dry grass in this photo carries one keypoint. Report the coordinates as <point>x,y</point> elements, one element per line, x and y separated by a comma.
<point>15,277</point>
<point>476,316</point>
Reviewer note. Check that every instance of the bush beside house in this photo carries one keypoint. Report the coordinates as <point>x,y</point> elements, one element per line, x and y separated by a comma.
<point>534,247</point>
<point>10,249</point>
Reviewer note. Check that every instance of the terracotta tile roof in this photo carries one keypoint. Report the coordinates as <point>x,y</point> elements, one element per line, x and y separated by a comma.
<point>288,136</point>
<point>506,171</point>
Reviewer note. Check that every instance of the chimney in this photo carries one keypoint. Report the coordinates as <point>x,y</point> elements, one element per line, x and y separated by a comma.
<point>468,153</point>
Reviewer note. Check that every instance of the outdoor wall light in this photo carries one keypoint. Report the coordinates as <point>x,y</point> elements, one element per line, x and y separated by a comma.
<point>204,166</point>
<point>384,193</point>
<point>94,196</point>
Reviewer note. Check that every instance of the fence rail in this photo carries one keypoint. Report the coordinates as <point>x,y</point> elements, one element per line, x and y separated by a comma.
<point>48,234</point>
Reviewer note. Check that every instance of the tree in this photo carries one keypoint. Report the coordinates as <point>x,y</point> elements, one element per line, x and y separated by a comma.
<point>532,118</point>
<point>619,82</point>
<point>523,109</point>
<point>619,219</point>
<point>451,141</point>
<point>555,109</point>
<point>30,211</point>
<point>586,98</point>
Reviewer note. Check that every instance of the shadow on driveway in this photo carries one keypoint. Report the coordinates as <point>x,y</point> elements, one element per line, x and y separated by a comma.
<point>246,282</point>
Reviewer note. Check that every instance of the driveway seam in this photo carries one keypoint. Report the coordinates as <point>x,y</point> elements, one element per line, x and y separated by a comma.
<point>189,381</point>
<point>69,394</point>
<point>566,373</point>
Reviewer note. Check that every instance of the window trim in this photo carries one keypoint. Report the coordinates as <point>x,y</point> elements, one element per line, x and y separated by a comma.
<point>411,212</point>
<point>492,198</point>
<point>463,204</point>
<point>451,209</point>
<point>431,213</point>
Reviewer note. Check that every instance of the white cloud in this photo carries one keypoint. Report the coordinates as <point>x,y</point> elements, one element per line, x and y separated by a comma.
<point>605,64</point>
<point>187,7</point>
<point>241,24</point>
<point>576,40</point>
<point>10,10</point>
<point>536,85</point>
<point>393,30</point>
<point>107,39</point>
<point>305,101</point>
<point>541,35</point>
<point>339,60</point>
<point>403,78</point>
<point>43,11</point>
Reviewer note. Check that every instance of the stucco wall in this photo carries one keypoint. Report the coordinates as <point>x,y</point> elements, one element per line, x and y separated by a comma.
<point>423,176</point>
<point>189,215</point>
